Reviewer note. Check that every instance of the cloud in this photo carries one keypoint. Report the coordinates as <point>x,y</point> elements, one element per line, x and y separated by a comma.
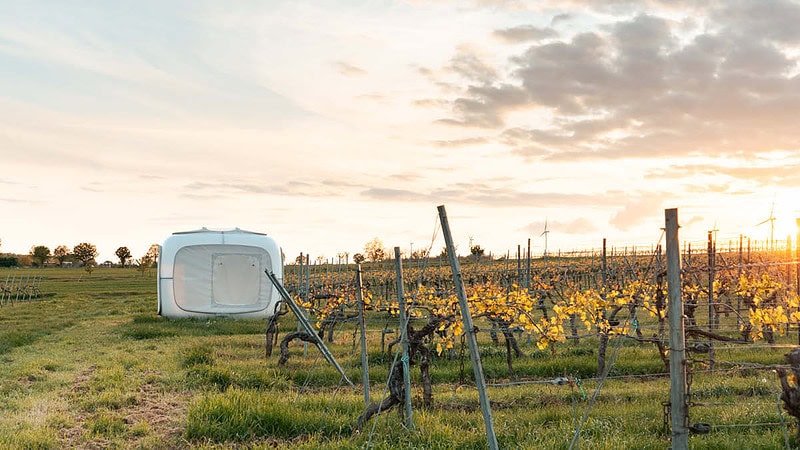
<point>405,177</point>
<point>325,188</point>
<point>491,194</point>
<point>524,33</point>
<point>774,21</point>
<point>778,174</point>
<point>647,86</point>
<point>113,61</point>
<point>636,212</point>
<point>431,103</point>
<point>392,194</point>
<point>470,65</point>
<point>373,96</point>
<point>558,18</point>
<point>460,142</point>
<point>348,69</point>
<point>722,188</point>
<point>17,200</point>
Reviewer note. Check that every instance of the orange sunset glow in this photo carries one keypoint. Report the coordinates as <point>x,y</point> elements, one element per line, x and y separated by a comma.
<point>328,125</point>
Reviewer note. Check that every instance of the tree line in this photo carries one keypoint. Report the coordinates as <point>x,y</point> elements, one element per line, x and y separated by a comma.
<point>83,254</point>
<point>375,251</point>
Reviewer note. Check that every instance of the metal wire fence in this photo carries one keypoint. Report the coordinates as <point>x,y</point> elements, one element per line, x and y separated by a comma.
<point>20,288</point>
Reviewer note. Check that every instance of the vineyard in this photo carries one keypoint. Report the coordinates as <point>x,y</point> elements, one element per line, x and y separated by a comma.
<point>575,351</point>
<point>734,301</point>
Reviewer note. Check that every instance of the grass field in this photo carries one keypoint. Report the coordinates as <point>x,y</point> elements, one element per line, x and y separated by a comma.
<point>91,365</point>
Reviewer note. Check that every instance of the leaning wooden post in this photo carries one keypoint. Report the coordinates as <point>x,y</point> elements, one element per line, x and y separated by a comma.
<point>469,329</point>
<point>362,323</point>
<point>306,325</point>
<point>677,338</point>
<point>401,300</point>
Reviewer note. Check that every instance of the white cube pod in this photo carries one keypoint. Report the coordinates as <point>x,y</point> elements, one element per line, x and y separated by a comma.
<point>206,273</point>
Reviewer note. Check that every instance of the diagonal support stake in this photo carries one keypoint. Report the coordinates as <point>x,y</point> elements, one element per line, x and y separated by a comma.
<point>301,318</point>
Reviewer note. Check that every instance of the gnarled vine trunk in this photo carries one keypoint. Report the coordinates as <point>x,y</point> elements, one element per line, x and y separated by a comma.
<point>395,397</point>
<point>300,335</point>
<point>790,393</point>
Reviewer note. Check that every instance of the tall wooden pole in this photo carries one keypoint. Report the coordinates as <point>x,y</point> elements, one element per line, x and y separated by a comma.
<point>401,300</point>
<point>469,329</point>
<point>677,339</point>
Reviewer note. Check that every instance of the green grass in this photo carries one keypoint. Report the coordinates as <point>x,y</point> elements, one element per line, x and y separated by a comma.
<point>91,365</point>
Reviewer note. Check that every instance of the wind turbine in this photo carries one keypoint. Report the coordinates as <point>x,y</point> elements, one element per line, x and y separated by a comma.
<point>714,231</point>
<point>771,220</point>
<point>545,233</point>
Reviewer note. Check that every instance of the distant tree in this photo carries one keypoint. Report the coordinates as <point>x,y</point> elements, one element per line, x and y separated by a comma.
<point>358,258</point>
<point>40,254</point>
<point>151,257</point>
<point>444,255</point>
<point>61,253</point>
<point>374,250</point>
<point>124,254</point>
<point>144,264</point>
<point>420,254</point>
<point>343,256</point>
<point>85,253</point>
<point>476,250</point>
<point>153,252</point>
<point>9,261</point>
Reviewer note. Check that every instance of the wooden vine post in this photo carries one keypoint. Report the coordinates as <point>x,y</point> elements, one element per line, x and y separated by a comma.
<point>404,338</point>
<point>469,330</point>
<point>362,324</point>
<point>601,350</point>
<point>677,338</point>
<point>711,311</point>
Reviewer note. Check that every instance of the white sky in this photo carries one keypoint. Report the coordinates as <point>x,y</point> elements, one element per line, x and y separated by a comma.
<point>328,123</point>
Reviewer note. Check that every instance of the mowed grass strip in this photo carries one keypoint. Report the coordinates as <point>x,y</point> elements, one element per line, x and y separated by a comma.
<point>240,415</point>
